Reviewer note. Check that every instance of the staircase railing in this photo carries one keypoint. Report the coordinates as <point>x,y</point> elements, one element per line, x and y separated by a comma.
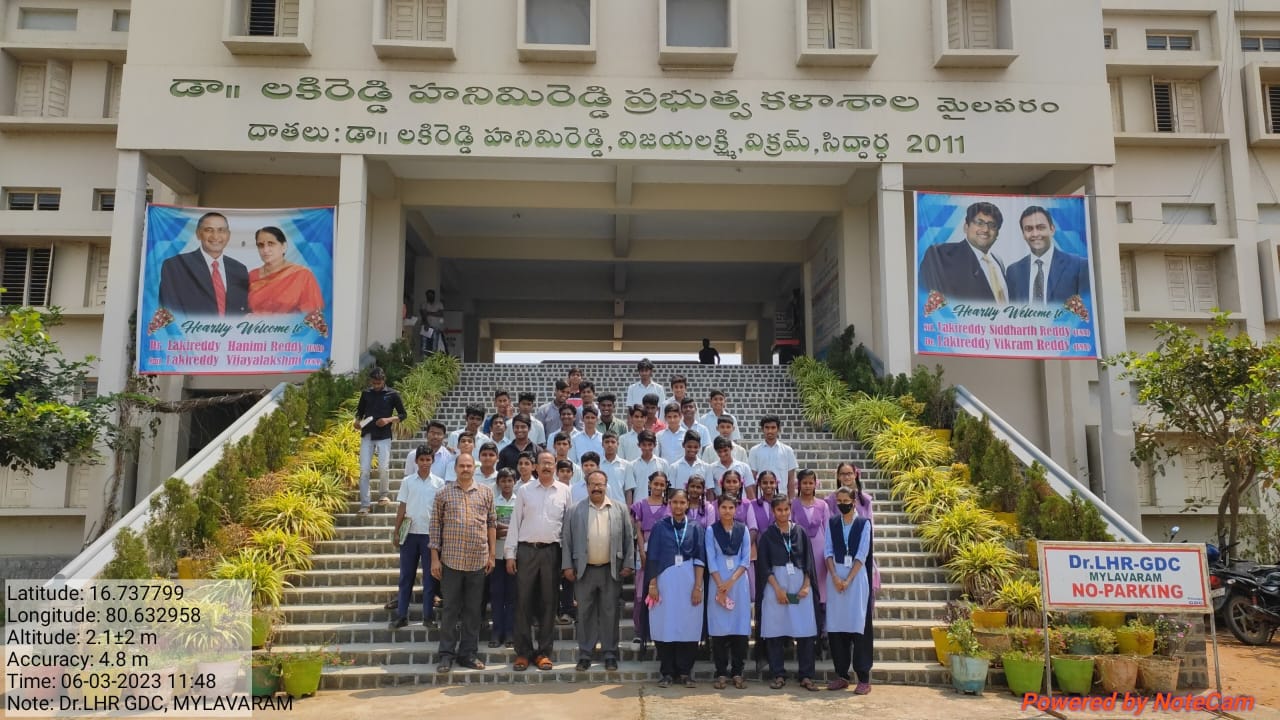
<point>1062,482</point>
<point>92,559</point>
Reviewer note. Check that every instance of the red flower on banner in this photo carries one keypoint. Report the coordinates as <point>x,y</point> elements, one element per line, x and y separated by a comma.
<point>1076,305</point>
<point>160,319</point>
<point>935,301</point>
<point>315,320</point>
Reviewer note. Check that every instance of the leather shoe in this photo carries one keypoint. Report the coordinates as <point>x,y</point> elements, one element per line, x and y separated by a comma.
<point>398,623</point>
<point>583,665</point>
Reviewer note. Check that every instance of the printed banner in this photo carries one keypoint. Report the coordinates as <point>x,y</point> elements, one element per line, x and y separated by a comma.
<point>1004,276</point>
<point>1123,576</point>
<point>235,292</point>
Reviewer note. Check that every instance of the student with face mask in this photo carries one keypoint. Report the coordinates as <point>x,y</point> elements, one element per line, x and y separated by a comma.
<point>848,591</point>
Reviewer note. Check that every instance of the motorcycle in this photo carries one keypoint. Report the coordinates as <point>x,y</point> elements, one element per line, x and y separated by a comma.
<point>1250,602</point>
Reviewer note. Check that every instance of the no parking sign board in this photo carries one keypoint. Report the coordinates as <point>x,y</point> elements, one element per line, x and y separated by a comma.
<point>1124,576</point>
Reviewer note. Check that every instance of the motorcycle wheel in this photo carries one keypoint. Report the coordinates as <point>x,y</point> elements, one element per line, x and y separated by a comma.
<point>1247,630</point>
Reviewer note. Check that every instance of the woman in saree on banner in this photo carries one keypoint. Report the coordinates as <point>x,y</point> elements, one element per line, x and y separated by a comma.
<point>280,287</point>
<point>676,562</point>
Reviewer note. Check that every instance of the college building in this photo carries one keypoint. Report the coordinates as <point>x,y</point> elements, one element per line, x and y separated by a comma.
<point>598,175</point>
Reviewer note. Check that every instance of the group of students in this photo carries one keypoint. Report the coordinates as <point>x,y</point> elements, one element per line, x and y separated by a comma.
<point>722,544</point>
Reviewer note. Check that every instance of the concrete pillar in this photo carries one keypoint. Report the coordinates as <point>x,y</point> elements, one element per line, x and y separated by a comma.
<point>806,274</point>
<point>1120,480</point>
<point>115,361</point>
<point>766,335</point>
<point>349,262</point>
<point>159,452</point>
<point>856,286</point>
<point>894,321</point>
<point>1066,394</point>
<point>386,268</point>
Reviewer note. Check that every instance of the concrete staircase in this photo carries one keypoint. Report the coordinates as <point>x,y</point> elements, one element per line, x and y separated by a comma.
<point>339,602</point>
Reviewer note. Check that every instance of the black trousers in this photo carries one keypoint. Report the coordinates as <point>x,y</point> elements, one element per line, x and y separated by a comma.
<point>537,582</point>
<point>465,608</point>
<point>804,656</point>
<point>676,658</point>
<point>725,647</point>
<point>864,651</point>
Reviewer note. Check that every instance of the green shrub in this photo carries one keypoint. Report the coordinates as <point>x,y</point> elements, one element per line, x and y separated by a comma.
<point>982,568</point>
<point>395,360</point>
<point>254,566</point>
<point>171,531</point>
<point>293,513</point>
<point>286,551</point>
<point>961,526</point>
<point>130,561</point>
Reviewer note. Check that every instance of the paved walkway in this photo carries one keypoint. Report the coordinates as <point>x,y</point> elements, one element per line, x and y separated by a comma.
<point>645,702</point>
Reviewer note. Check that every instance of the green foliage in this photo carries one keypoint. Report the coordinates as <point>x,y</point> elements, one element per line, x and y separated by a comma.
<point>326,491</point>
<point>1072,519</point>
<point>396,360</point>
<point>961,636</point>
<point>1212,394</point>
<point>293,513</point>
<point>253,565</point>
<point>822,401</point>
<point>853,365</point>
<point>998,478</point>
<point>938,398</point>
<point>982,568</point>
<point>222,631</point>
<point>865,418</point>
<point>130,561</point>
<point>963,525</point>
<point>334,452</point>
<point>171,531</point>
<point>913,481</point>
<point>324,393</point>
<point>904,445</point>
<point>938,498</point>
<point>422,389</point>
<point>1021,599</point>
<point>44,417</point>
<point>288,552</point>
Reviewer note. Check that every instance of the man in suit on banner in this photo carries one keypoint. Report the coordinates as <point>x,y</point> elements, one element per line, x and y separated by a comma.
<point>1049,275</point>
<point>967,270</point>
<point>205,281</point>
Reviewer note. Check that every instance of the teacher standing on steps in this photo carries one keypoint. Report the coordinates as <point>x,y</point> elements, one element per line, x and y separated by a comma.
<point>464,539</point>
<point>599,553</point>
<point>533,546</point>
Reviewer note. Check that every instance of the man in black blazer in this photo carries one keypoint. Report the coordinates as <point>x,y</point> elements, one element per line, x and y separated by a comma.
<point>1060,273</point>
<point>186,280</point>
<point>966,270</point>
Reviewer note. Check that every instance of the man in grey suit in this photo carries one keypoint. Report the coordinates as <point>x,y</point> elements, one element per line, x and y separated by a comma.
<point>598,553</point>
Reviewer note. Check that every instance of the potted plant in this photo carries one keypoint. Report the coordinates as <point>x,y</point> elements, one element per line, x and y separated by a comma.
<point>936,498</point>
<point>959,527</point>
<point>300,671</point>
<point>1171,635</point>
<point>1077,639</point>
<point>995,641</point>
<point>982,568</point>
<point>970,662</point>
<point>942,645</point>
<point>1136,638</point>
<point>1023,671</point>
<point>1021,599</point>
<point>1073,673</point>
<point>218,643</point>
<point>1117,673</point>
<point>1158,673</point>
<point>1102,639</point>
<point>265,675</point>
<point>268,587</point>
<point>1106,619</point>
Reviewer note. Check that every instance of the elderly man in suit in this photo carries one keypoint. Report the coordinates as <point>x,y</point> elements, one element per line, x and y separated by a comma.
<point>206,281</point>
<point>598,553</point>
<point>1049,275</point>
<point>967,270</point>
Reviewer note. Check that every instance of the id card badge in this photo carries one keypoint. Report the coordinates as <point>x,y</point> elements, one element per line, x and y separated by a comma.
<point>679,560</point>
<point>731,563</point>
<point>848,561</point>
<point>791,568</point>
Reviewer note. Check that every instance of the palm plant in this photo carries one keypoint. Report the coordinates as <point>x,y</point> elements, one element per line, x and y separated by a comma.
<point>913,481</point>
<point>291,553</point>
<point>328,491</point>
<point>1021,599</point>
<point>936,499</point>
<point>961,526</point>
<point>982,568</point>
<point>255,566</point>
<point>335,452</point>
<point>221,632</point>
<point>904,445</point>
<point>823,400</point>
<point>869,417</point>
<point>293,513</point>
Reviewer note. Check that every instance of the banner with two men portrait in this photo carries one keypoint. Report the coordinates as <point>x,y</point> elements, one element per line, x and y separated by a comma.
<point>1004,276</point>
<point>232,292</point>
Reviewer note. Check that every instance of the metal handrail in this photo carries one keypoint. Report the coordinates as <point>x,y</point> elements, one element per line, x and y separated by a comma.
<point>92,559</point>
<point>1060,480</point>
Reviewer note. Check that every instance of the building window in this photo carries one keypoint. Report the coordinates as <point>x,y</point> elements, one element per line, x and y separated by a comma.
<point>271,18</point>
<point>24,275</point>
<point>105,200</point>
<point>115,80</point>
<point>557,22</point>
<point>15,488</point>
<point>1170,41</point>
<point>97,294</point>
<point>1177,106</point>
<point>1124,212</point>
<point>43,89</point>
<point>1127,283</point>
<point>1269,214</point>
<point>418,20</point>
<point>1186,214</point>
<point>1192,282</point>
<point>1272,93</point>
<point>120,21</point>
<point>1260,43</point>
<point>833,24</point>
<point>698,23</point>
<point>972,24</point>
<point>1202,484</point>
<point>46,19</point>
<point>26,199</point>
<point>1109,39</point>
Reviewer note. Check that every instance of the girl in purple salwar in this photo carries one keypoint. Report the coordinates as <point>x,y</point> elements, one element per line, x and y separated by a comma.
<point>646,513</point>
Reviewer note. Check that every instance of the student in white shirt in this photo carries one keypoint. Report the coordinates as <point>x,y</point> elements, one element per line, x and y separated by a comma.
<point>525,465</point>
<point>561,444</point>
<point>590,463</point>
<point>646,385</point>
<point>774,455</point>
<point>689,418</point>
<point>498,432</point>
<point>717,399</point>
<point>441,456</point>
<point>466,446</point>
<point>725,461</point>
<point>487,472</point>
<point>502,585</point>
<point>726,429</point>
<point>615,467</point>
<point>589,438</point>
<point>671,438</point>
<point>571,474</point>
<point>503,407</point>
<point>587,396</point>
<point>679,390</point>
<point>416,500</point>
<point>628,442</point>
<point>647,464</point>
<point>689,465</point>
<point>568,418</point>
<point>475,417</point>
<point>537,433</point>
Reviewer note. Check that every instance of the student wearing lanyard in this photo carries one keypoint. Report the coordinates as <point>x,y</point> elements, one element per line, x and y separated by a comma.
<point>759,519</point>
<point>676,560</point>
<point>848,589</point>
<point>646,513</point>
<point>785,593</point>
<point>729,612</point>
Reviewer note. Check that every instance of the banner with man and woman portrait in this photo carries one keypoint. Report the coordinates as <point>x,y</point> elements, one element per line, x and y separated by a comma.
<point>1004,276</point>
<point>235,292</point>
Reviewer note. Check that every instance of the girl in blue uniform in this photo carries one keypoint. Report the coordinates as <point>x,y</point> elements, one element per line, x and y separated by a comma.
<point>676,560</point>
<point>729,611</point>
<point>785,593</point>
<point>848,589</point>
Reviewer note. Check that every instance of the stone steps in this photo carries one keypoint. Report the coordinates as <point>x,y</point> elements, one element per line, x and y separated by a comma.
<point>377,526</point>
<point>381,544</point>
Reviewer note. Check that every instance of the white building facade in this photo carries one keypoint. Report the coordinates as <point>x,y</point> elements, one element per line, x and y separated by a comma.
<point>592,175</point>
